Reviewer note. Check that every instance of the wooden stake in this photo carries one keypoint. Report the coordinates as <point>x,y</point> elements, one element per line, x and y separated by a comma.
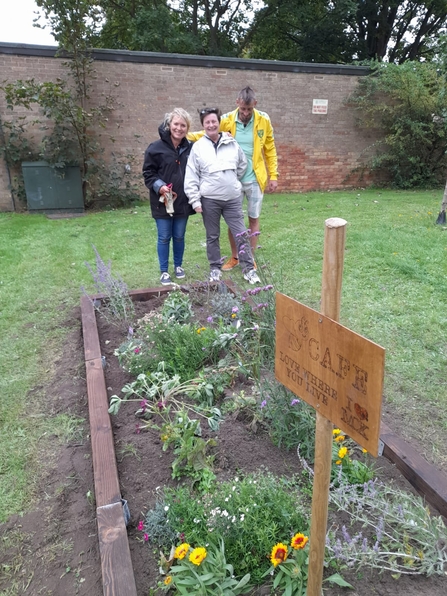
<point>334,246</point>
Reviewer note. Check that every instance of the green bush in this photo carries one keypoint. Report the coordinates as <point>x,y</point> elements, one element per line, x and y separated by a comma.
<point>406,105</point>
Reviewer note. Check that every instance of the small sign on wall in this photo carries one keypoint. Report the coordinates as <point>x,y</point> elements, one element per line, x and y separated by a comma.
<point>319,106</point>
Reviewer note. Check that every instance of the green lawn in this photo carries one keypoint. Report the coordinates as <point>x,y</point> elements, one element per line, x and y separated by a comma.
<point>394,293</point>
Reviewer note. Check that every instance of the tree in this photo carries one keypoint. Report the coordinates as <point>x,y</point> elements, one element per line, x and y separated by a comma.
<point>407,105</point>
<point>306,31</point>
<point>347,30</point>
<point>210,27</point>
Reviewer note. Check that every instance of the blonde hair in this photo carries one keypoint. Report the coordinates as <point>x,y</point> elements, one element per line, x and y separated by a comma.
<point>180,113</point>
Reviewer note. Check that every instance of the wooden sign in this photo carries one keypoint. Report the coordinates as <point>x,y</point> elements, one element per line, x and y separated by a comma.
<point>335,370</point>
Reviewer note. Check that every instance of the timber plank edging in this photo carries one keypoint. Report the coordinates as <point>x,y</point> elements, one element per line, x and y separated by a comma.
<point>423,476</point>
<point>116,564</point>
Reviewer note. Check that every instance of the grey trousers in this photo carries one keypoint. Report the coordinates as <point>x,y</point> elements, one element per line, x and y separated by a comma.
<point>231,210</point>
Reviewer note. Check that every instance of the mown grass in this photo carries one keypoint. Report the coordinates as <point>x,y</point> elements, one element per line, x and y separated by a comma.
<point>394,293</point>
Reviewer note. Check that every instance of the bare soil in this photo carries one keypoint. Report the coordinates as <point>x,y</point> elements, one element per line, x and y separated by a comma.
<point>53,549</point>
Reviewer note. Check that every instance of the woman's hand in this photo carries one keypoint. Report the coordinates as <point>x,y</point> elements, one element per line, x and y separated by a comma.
<point>198,209</point>
<point>163,189</point>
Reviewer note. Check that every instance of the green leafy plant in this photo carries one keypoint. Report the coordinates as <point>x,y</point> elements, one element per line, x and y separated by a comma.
<point>184,348</point>
<point>246,513</point>
<point>204,572</point>
<point>291,422</point>
<point>352,469</point>
<point>176,308</point>
<point>134,356</point>
<point>191,451</point>
<point>159,393</point>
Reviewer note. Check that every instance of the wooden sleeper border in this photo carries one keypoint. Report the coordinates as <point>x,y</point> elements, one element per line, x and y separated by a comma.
<point>116,564</point>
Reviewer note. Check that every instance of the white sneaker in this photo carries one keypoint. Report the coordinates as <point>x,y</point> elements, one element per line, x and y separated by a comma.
<point>165,279</point>
<point>252,277</point>
<point>215,275</point>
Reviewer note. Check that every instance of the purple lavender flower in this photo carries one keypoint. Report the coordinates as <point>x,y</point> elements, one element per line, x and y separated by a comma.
<point>294,402</point>
<point>346,535</point>
<point>263,404</point>
<point>338,549</point>
<point>209,320</point>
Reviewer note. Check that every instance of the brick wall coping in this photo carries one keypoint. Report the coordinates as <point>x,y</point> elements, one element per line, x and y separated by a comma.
<point>19,49</point>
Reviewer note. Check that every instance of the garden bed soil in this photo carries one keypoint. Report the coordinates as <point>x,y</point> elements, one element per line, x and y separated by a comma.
<point>59,553</point>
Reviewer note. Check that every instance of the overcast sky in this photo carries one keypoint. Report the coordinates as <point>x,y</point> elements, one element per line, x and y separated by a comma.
<point>16,23</point>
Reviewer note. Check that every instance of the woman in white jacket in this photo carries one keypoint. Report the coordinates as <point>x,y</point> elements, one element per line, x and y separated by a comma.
<point>215,165</point>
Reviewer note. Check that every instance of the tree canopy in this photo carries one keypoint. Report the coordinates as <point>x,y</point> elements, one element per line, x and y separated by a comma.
<point>334,31</point>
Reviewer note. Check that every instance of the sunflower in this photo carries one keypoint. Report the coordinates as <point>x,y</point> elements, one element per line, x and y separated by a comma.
<point>197,555</point>
<point>181,551</point>
<point>299,541</point>
<point>279,554</point>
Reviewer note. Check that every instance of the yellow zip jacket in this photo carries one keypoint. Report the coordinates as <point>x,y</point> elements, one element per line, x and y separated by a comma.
<point>263,144</point>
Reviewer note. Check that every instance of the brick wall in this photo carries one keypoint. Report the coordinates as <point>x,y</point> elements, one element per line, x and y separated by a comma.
<point>315,151</point>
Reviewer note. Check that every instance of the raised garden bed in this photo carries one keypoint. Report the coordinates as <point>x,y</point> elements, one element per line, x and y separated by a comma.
<point>117,570</point>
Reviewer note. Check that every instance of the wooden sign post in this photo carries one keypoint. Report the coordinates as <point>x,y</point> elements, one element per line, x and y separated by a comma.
<point>336,371</point>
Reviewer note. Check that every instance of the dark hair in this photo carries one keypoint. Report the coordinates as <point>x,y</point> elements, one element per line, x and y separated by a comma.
<point>205,111</point>
<point>247,95</point>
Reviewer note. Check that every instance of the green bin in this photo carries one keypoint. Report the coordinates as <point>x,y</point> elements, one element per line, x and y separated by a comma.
<point>52,190</point>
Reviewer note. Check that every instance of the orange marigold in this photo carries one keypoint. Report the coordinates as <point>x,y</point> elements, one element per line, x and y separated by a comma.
<point>279,554</point>
<point>299,541</point>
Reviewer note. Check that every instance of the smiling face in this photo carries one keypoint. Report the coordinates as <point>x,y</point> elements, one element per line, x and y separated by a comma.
<point>211,126</point>
<point>178,129</point>
<point>245,110</point>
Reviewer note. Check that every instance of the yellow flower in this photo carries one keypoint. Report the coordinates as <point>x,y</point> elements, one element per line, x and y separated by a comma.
<point>279,554</point>
<point>364,451</point>
<point>336,431</point>
<point>168,580</point>
<point>234,315</point>
<point>199,331</point>
<point>340,438</point>
<point>197,555</point>
<point>342,452</point>
<point>181,551</point>
<point>338,462</point>
<point>299,541</point>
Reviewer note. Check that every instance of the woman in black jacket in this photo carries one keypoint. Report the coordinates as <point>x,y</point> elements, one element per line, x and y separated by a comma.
<point>164,173</point>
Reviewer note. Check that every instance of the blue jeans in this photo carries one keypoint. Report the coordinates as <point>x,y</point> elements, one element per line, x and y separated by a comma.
<point>174,228</point>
